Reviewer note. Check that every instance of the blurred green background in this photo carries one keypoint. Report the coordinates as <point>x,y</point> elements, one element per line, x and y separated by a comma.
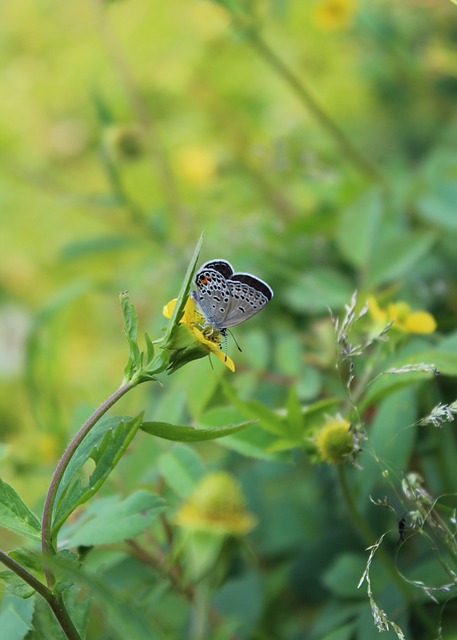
<point>314,144</point>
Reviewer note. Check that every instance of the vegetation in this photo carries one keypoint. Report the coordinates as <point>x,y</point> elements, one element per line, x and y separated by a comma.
<point>166,483</point>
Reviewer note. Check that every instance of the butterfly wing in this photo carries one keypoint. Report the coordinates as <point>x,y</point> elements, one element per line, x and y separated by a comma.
<point>221,266</point>
<point>213,293</point>
<point>248,295</point>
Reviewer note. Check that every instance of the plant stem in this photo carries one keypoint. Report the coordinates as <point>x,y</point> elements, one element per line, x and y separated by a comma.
<point>142,111</point>
<point>361,162</point>
<point>47,541</point>
<point>54,600</point>
<point>22,572</point>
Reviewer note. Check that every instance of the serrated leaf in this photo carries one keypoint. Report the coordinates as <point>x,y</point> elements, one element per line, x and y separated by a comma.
<point>105,445</point>
<point>111,519</point>
<point>15,514</point>
<point>16,617</point>
<point>15,585</point>
<point>28,559</point>
<point>181,467</point>
<point>180,433</point>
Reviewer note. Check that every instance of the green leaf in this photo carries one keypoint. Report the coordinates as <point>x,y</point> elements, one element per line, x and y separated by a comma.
<point>184,292</point>
<point>105,445</point>
<point>15,515</point>
<point>191,434</point>
<point>254,443</point>
<point>344,574</point>
<point>45,625</point>
<point>109,520</point>
<point>32,561</point>
<point>181,467</point>
<point>124,619</point>
<point>131,331</point>
<point>294,423</point>
<point>444,361</point>
<point>149,348</point>
<point>15,585</point>
<point>16,617</point>
<point>255,410</point>
<point>391,437</point>
<point>396,256</point>
<point>162,359</point>
<point>359,228</point>
<point>318,290</point>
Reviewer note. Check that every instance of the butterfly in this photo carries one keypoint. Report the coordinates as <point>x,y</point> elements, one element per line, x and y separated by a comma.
<point>226,298</point>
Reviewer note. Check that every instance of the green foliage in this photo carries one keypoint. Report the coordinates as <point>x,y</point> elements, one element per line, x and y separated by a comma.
<point>15,515</point>
<point>191,434</point>
<point>16,617</point>
<point>314,145</point>
<point>104,446</point>
<point>110,519</point>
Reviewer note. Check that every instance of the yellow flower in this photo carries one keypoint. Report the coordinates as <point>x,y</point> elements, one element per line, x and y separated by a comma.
<point>47,448</point>
<point>402,317</point>
<point>216,505</point>
<point>334,14</point>
<point>192,319</point>
<point>196,164</point>
<point>334,441</point>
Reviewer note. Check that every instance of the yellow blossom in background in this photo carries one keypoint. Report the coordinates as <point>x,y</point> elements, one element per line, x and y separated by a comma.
<point>196,164</point>
<point>216,505</point>
<point>334,14</point>
<point>334,440</point>
<point>47,448</point>
<point>191,319</point>
<point>402,317</point>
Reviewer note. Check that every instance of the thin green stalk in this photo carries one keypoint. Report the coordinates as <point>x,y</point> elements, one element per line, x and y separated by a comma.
<point>47,539</point>
<point>361,162</point>
<point>142,111</point>
<point>54,600</point>
<point>199,619</point>
<point>364,528</point>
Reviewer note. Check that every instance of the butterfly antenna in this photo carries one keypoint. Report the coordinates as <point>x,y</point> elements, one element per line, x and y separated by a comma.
<point>234,340</point>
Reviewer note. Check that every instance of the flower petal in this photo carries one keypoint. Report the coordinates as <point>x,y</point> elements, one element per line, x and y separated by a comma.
<point>380,315</point>
<point>169,308</point>
<point>419,322</point>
